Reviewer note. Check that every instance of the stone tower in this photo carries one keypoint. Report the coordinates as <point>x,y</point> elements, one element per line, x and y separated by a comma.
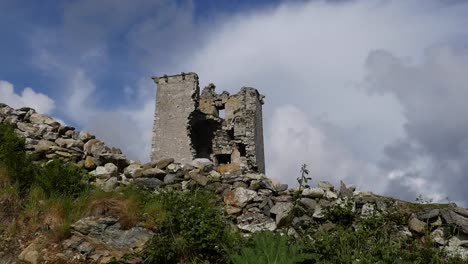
<point>228,129</point>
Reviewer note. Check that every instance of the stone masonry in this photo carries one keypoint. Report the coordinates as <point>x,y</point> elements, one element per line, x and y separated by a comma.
<point>190,125</point>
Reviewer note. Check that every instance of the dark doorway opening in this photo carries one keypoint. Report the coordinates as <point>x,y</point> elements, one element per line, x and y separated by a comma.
<point>242,150</point>
<point>202,135</point>
<point>230,133</point>
<point>223,159</point>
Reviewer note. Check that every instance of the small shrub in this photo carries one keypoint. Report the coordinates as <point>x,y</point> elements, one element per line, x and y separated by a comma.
<point>14,159</point>
<point>61,179</point>
<point>269,248</point>
<point>340,214</point>
<point>192,227</point>
<point>371,240</point>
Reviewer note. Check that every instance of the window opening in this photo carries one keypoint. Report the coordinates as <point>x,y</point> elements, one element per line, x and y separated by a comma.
<point>223,158</point>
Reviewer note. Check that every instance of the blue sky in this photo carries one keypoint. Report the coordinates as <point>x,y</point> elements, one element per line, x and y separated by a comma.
<point>369,92</point>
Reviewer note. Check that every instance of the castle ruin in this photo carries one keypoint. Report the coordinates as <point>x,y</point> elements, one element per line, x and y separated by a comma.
<point>224,128</point>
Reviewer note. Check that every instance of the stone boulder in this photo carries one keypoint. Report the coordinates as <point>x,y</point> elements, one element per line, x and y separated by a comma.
<point>283,212</point>
<point>101,239</point>
<point>239,197</point>
<point>203,164</point>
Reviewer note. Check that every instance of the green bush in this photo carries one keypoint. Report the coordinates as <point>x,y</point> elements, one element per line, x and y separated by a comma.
<point>55,177</point>
<point>60,179</point>
<point>340,214</point>
<point>14,158</point>
<point>371,240</point>
<point>192,227</point>
<point>269,248</point>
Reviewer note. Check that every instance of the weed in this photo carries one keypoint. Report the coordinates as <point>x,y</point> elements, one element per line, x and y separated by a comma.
<point>269,248</point>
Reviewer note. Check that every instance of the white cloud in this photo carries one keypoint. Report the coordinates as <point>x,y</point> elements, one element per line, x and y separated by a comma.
<point>28,97</point>
<point>313,55</point>
<point>314,61</point>
<point>128,127</point>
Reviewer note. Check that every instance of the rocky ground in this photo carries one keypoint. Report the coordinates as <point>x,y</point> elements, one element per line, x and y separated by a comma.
<point>253,201</point>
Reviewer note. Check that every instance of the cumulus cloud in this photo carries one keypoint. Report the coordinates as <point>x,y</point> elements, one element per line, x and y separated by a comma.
<point>295,139</point>
<point>28,97</point>
<point>366,91</point>
<point>431,159</point>
<point>317,57</point>
<point>128,126</point>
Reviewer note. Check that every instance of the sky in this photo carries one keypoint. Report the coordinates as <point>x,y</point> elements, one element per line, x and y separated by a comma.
<point>371,92</point>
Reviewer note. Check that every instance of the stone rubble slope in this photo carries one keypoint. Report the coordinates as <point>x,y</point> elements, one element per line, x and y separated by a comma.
<point>253,201</point>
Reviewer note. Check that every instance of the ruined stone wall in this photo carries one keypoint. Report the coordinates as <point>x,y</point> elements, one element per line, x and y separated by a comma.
<point>189,125</point>
<point>176,100</point>
<point>258,139</point>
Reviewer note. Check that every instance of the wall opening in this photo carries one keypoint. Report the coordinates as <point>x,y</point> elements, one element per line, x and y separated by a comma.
<point>202,135</point>
<point>221,113</point>
<point>223,159</point>
<point>242,150</point>
<point>230,133</point>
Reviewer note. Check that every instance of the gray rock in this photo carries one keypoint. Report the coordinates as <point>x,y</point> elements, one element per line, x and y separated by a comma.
<point>330,195</point>
<point>112,169</point>
<point>200,179</point>
<point>154,173</point>
<point>254,176</point>
<point>452,216</point>
<point>101,173</point>
<point>173,168</point>
<point>416,225</point>
<point>52,136</point>
<point>72,134</point>
<point>308,203</point>
<point>282,198</point>
<point>62,130</point>
<point>281,187</point>
<point>326,185</point>
<point>264,192</point>
<point>151,183</point>
<point>457,246</point>
<point>85,136</point>
<point>233,210</point>
<point>37,118</point>
<point>255,222</point>
<point>318,212</point>
<point>30,254</point>
<point>367,209</point>
<point>313,192</point>
<point>214,175</point>
<point>239,197</point>
<point>91,236</point>
<point>302,221</point>
<point>203,164</point>
<point>437,236</point>
<point>170,179</point>
<point>85,248</point>
<point>428,214</point>
<point>28,128</point>
<point>346,191</point>
<point>133,171</point>
<point>110,184</point>
<point>163,163</point>
<point>283,212</point>
<point>44,145</point>
<point>95,147</point>
<point>239,184</point>
<point>68,143</point>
